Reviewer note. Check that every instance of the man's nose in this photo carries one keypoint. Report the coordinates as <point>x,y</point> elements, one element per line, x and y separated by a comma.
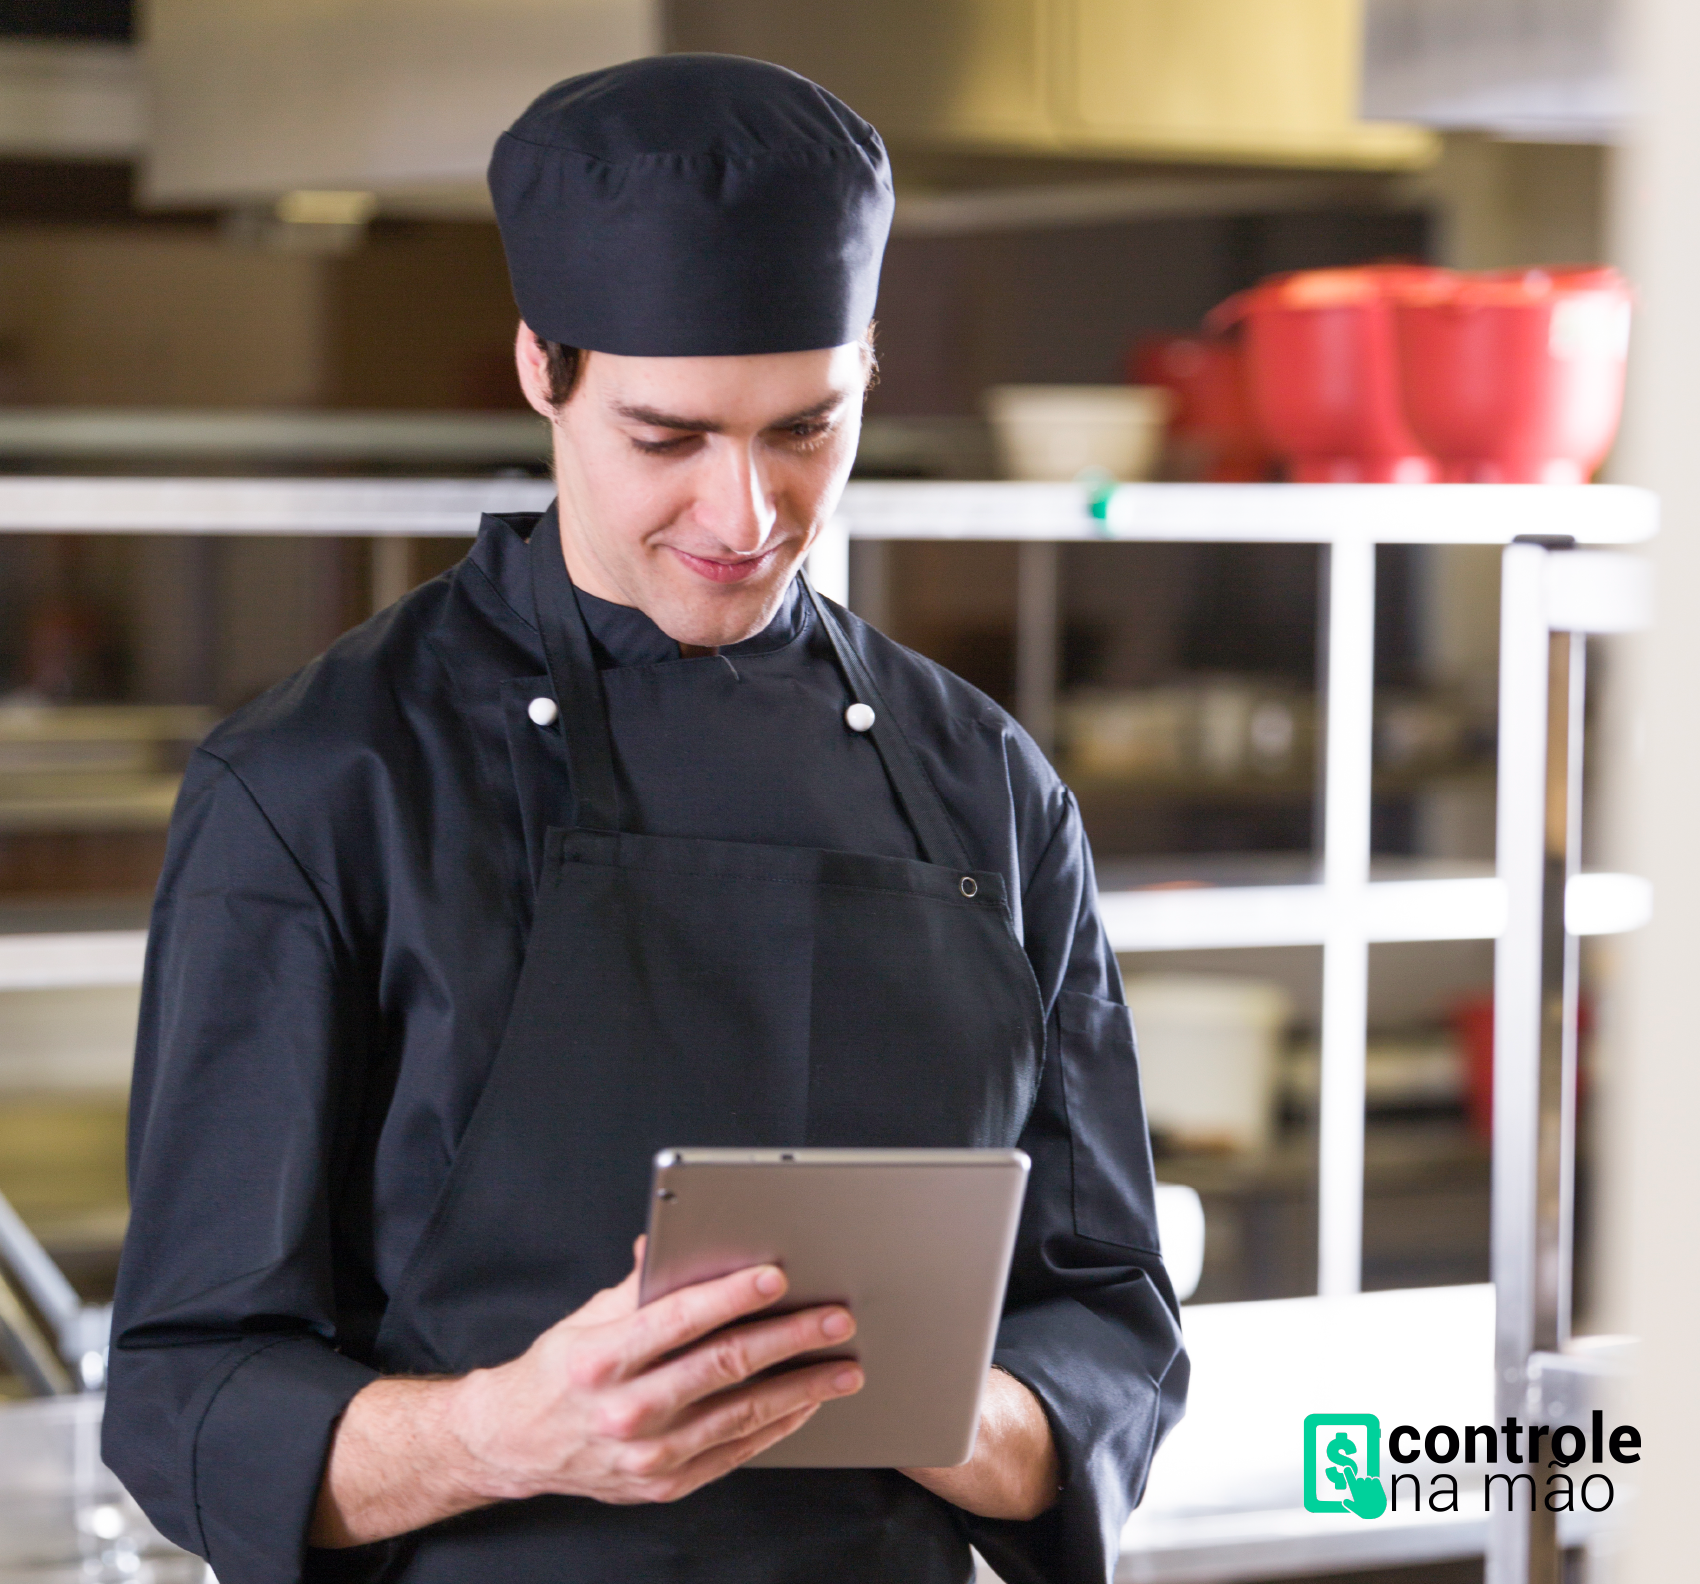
<point>734,503</point>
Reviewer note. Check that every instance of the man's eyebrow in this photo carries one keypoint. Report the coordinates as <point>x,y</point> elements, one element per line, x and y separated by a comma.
<point>820,409</point>
<point>664,420</point>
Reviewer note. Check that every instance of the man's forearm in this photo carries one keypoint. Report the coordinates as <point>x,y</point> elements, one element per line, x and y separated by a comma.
<point>1013,1472</point>
<point>395,1464</point>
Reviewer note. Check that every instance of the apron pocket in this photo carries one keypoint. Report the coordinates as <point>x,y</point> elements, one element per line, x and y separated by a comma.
<point>1108,1143</point>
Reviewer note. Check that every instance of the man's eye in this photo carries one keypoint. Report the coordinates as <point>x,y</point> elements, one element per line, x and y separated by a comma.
<point>664,447</point>
<point>807,431</point>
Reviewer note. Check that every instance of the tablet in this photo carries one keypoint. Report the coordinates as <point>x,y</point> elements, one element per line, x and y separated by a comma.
<point>916,1243</point>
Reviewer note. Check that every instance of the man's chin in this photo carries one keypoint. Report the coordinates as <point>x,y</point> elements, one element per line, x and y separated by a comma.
<point>728,617</point>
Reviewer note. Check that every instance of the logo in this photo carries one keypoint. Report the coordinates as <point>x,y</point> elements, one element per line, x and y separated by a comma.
<point>1343,1465</point>
<point>1531,1466</point>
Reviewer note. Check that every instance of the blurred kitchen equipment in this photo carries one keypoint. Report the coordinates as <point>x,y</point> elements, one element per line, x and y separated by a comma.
<point>1321,365</point>
<point>1180,1230</point>
<point>1059,432</point>
<point>1418,730</point>
<point>1223,724</point>
<point>1472,1024</point>
<point>1125,734</point>
<point>63,1514</point>
<point>81,1331</point>
<point>93,766</point>
<point>1419,1070</point>
<point>1212,435</point>
<point>1209,1050</point>
<point>1516,376</point>
<point>1216,728</point>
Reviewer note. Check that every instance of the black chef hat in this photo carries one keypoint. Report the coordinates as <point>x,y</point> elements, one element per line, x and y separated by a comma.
<point>692,206</point>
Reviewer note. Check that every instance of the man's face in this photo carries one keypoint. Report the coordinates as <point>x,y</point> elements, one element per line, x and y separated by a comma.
<point>692,487</point>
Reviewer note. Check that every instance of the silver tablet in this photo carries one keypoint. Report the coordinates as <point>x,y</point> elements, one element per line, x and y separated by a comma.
<point>916,1243</point>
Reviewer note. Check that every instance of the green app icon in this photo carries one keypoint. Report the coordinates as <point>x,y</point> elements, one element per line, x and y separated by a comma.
<point>1343,1465</point>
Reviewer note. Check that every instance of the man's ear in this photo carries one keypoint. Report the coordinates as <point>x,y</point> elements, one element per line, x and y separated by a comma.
<point>533,367</point>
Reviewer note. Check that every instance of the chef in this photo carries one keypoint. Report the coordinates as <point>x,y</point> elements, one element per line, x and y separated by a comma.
<point>618,837</point>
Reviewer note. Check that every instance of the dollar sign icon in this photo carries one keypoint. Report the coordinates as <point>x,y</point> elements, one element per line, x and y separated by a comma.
<point>1344,1455</point>
<point>1347,1448</point>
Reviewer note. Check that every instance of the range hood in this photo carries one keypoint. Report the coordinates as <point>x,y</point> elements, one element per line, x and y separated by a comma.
<point>1542,70</point>
<point>400,99</point>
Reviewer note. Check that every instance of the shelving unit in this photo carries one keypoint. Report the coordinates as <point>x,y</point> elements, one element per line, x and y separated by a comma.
<point>1344,910</point>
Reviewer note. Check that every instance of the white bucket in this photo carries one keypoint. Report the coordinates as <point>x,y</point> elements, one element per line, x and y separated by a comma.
<point>1209,1054</point>
<point>1059,432</point>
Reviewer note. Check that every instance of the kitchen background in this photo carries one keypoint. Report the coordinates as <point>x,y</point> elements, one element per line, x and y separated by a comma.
<point>248,239</point>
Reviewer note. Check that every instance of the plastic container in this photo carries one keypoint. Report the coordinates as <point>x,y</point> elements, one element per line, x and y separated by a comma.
<point>1321,369</point>
<point>1514,377</point>
<point>1209,1051</point>
<point>1061,432</point>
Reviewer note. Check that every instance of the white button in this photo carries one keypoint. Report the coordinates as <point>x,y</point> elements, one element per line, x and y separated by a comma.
<point>859,718</point>
<point>543,711</point>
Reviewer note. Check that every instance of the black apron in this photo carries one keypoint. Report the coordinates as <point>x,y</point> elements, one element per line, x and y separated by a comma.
<point>682,992</point>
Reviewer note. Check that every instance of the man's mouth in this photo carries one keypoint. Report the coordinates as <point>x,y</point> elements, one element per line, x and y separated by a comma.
<point>738,570</point>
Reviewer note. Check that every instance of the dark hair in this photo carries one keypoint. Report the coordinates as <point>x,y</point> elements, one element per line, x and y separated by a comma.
<point>565,365</point>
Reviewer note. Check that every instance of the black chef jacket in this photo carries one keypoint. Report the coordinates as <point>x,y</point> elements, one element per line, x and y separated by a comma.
<point>335,945</point>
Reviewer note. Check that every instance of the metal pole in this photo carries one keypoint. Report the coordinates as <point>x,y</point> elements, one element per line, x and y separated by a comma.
<point>829,561</point>
<point>1036,631</point>
<point>1555,1088</point>
<point>392,571</point>
<point>1345,877</point>
<point>870,582</point>
<point>1555,1186</point>
<point>1535,971</point>
<point>1521,863</point>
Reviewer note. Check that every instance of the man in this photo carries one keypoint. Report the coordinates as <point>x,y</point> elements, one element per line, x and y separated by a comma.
<point>613,838</point>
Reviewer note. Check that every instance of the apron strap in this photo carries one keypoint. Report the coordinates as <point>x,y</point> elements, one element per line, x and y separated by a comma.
<point>577,682</point>
<point>941,843</point>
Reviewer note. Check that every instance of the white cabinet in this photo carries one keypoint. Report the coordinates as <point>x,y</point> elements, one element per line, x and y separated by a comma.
<point>255,99</point>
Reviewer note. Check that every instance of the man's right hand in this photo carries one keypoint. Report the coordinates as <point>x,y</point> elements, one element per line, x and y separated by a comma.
<point>618,1403</point>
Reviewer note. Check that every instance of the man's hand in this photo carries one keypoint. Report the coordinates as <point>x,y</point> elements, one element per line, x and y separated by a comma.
<point>619,1403</point>
<point>1013,1472</point>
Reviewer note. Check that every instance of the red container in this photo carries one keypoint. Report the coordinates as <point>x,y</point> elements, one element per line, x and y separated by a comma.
<point>1472,1027</point>
<point>1515,377</point>
<point>1322,372</point>
<point>1211,431</point>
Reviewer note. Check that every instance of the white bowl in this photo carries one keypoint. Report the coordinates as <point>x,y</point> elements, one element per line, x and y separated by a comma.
<point>1049,432</point>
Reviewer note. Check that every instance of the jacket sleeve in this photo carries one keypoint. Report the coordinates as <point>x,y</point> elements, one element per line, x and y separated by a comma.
<point>225,1380</point>
<point>1091,1325</point>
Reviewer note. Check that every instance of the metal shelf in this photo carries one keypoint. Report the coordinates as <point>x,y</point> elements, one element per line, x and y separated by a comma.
<point>1271,513</point>
<point>34,435</point>
<point>1344,913</point>
<point>63,960</point>
<point>1250,513</point>
<point>1211,917</point>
